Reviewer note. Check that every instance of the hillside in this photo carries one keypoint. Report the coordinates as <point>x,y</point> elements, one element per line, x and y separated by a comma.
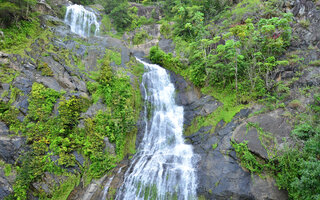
<point>75,103</point>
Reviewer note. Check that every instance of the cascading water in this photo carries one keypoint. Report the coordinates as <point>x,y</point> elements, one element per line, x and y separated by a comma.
<point>81,21</point>
<point>163,167</point>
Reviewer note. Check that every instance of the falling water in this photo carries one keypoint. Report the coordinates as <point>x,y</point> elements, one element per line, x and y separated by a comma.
<point>163,167</point>
<point>106,188</point>
<point>81,21</point>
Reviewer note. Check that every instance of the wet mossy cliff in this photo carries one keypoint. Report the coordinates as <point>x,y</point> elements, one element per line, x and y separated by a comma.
<point>70,107</point>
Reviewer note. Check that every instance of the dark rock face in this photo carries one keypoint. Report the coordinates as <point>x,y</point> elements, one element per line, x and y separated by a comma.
<point>10,148</point>
<point>304,10</point>
<point>276,133</point>
<point>6,183</point>
<point>220,175</point>
<point>194,102</point>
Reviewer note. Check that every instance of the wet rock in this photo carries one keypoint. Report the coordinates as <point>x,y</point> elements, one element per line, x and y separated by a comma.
<point>23,104</point>
<point>50,82</point>
<point>310,77</point>
<point>271,136</point>
<point>66,81</point>
<point>4,58</point>
<point>10,148</point>
<point>93,109</point>
<point>110,148</point>
<point>4,130</point>
<point>221,177</point>
<point>23,83</point>
<point>305,10</point>
<point>79,158</point>
<point>80,85</point>
<point>6,183</point>
<point>166,45</point>
<point>49,182</point>
<point>147,11</point>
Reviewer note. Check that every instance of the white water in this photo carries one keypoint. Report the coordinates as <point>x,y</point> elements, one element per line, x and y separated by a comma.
<point>163,168</point>
<point>106,188</point>
<point>81,21</point>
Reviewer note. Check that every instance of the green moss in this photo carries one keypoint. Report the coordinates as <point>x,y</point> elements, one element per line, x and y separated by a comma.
<point>7,169</point>
<point>64,190</point>
<point>140,37</point>
<point>20,36</point>
<point>225,112</point>
<point>105,24</point>
<point>45,69</point>
<point>202,197</point>
<point>9,115</point>
<point>315,63</point>
<point>7,74</point>
<point>214,146</point>
<point>114,55</point>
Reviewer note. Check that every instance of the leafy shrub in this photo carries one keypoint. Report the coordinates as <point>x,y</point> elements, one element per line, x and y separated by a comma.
<point>247,159</point>
<point>140,37</point>
<point>165,60</point>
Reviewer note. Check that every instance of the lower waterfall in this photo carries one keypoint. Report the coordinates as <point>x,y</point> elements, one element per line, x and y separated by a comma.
<point>163,167</point>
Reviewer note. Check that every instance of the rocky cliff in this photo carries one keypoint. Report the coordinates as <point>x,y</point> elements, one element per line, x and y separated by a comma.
<point>68,64</point>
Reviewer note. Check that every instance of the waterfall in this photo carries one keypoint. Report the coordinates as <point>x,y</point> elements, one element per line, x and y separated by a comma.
<point>81,21</point>
<point>163,167</point>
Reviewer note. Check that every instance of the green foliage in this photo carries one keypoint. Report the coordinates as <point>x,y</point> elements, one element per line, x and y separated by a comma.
<point>214,146</point>
<point>20,35</point>
<point>114,56</point>
<point>247,159</point>
<point>189,22</point>
<point>14,10</point>
<point>41,102</point>
<point>7,74</point>
<point>315,63</point>
<point>121,17</point>
<point>140,37</point>
<point>105,24</point>
<point>66,187</point>
<point>165,60</point>
<point>45,69</point>
<point>7,169</point>
<point>165,29</point>
<point>8,115</point>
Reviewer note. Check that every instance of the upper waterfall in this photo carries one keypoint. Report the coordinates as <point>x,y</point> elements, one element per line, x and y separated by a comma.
<point>81,21</point>
<point>163,167</point>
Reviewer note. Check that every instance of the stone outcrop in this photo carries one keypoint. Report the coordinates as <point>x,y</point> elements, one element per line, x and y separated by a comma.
<point>266,133</point>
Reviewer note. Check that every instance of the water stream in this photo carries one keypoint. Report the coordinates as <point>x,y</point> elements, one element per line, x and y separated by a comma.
<point>81,21</point>
<point>163,167</point>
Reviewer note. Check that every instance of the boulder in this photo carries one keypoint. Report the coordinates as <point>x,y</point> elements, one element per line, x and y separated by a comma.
<point>50,82</point>
<point>267,134</point>
<point>219,174</point>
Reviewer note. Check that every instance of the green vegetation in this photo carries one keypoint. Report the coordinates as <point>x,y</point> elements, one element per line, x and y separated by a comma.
<point>296,170</point>
<point>315,63</point>
<point>214,146</point>
<point>140,37</point>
